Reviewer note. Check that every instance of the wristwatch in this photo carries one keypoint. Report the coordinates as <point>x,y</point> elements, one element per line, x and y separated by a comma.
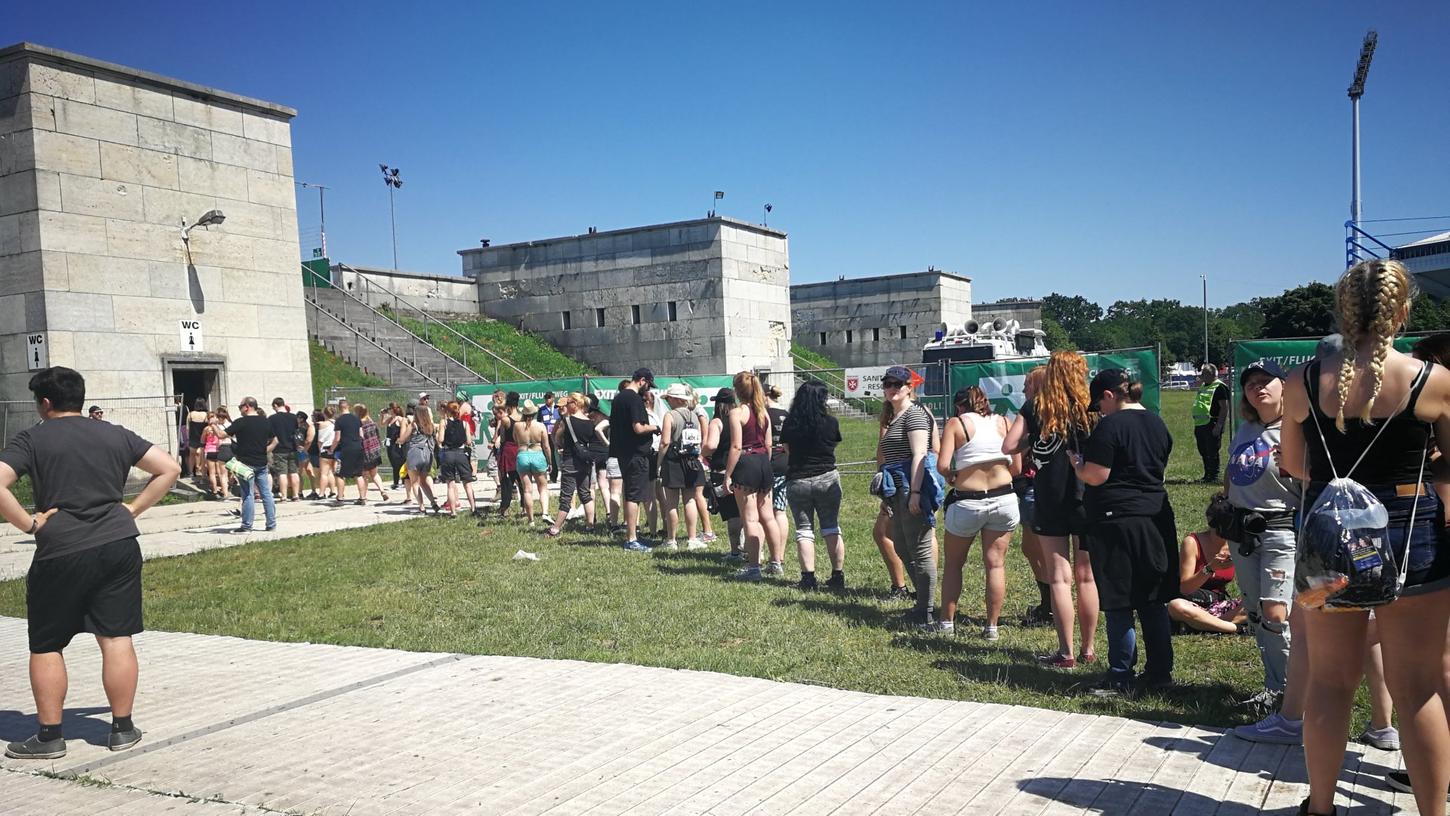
<point>1206,572</point>
<point>34,525</point>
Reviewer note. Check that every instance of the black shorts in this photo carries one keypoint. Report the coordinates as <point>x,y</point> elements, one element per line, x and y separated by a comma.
<point>454,466</point>
<point>654,468</point>
<point>638,487</point>
<point>752,472</point>
<point>96,590</point>
<point>1059,522</point>
<point>724,504</point>
<point>679,475</point>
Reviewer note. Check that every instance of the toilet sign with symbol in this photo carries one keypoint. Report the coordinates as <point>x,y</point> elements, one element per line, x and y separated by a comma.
<point>36,355</point>
<point>191,335</point>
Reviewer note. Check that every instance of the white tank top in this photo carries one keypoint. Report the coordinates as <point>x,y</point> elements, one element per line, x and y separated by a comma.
<point>985,446</point>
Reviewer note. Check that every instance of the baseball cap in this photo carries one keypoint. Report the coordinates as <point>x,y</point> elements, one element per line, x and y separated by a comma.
<point>1268,365</point>
<point>594,402</point>
<point>422,395</point>
<point>725,395</point>
<point>1109,379</point>
<point>901,373</point>
<point>644,374</point>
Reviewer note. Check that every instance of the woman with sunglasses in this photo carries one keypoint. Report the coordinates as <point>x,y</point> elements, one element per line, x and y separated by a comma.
<point>907,484</point>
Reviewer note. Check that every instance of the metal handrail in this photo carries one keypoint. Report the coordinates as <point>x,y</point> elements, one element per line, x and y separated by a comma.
<point>357,333</point>
<point>835,385</point>
<point>1352,244</point>
<point>429,320</point>
<point>423,341</point>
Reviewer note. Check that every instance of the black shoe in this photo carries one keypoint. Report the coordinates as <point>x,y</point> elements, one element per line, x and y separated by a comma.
<point>1213,480</point>
<point>33,748</point>
<point>836,583</point>
<point>1151,684</point>
<point>1110,689</point>
<point>123,740</point>
<point>807,584</point>
<point>1304,810</point>
<point>1037,616</point>
<point>900,593</point>
<point>242,530</point>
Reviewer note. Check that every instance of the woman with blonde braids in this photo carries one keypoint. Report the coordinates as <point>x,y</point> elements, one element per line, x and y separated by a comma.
<point>1374,396</point>
<point>1050,427</point>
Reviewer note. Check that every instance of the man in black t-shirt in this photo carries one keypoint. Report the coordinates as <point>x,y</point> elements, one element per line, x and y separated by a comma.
<point>85,575</point>
<point>283,462</point>
<point>252,442</point>
<point>630,438</point>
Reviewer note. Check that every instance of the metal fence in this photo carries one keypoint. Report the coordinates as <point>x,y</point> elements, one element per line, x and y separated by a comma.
<point>158,420</point>
<point>377,398</point>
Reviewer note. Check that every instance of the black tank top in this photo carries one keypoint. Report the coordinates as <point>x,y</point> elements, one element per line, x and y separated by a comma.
<point>721,454</point>
<point>1396,457</point>
<point>455,435</point>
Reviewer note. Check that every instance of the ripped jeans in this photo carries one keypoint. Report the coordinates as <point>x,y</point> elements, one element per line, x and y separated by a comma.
<point>1268,574</point>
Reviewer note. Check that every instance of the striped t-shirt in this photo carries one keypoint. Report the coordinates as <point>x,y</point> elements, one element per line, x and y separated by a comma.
<point>895,445</point>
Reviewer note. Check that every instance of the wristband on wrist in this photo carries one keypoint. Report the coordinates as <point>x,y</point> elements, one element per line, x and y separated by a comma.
<point>34,525</point>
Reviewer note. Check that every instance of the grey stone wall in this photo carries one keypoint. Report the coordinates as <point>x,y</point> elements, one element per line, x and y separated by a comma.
<point>863,320</point>
<point>727,280</point>
<point>99,164</point>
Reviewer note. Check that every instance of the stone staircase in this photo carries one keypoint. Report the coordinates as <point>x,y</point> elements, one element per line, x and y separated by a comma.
<point>374,342</point>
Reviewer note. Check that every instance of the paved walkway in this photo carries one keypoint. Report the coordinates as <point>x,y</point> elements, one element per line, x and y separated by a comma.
<point>251,727</point>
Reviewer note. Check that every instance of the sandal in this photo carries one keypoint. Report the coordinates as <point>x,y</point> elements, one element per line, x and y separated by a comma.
<point>1058,660</point>
<point>1304,810</point>
<point>1087,657</point>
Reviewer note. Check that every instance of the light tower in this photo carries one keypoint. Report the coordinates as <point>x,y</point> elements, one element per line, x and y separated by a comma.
<point>1356,90</point>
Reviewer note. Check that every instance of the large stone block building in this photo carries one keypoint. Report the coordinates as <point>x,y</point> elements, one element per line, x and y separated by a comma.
<point>878,321</point>
<point>709,296</point>
<point>100,166</point>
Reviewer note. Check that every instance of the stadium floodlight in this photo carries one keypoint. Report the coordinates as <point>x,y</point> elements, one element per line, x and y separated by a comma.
<point>1366,54</point>
<point>394,182</point>
<point>1356,90</point>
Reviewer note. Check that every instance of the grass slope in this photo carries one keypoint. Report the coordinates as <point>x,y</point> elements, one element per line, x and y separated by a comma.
<point>448,586</point>
<point>329,371</point>
<point>810,358</point>
<point>527,351</point>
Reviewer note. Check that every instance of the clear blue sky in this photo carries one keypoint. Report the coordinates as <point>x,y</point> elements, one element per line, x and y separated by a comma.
<point>1107,149</point>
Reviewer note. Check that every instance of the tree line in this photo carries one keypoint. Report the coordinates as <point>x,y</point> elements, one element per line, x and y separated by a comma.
<point>1074,322</point>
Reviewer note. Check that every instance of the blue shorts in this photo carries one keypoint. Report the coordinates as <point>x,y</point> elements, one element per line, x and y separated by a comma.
<point>1429,545</point>
<point>1027,506</point>
<point>532,463</point>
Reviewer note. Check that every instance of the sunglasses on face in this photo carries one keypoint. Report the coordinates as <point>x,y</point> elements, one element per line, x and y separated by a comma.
<point>892,383</point>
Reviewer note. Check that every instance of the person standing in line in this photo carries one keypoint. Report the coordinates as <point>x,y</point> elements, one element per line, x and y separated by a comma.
<point>1131,534</point>
<point>301,439</point>
<point>908,487</point>
<point>253,443</point>
<point>326,460</point>
<point>702,505</point>
<point>614,477</point>
<point>372,445</point>
<point>508,456</point>
<point>533,461</point>
<point>1053,425</point>
<point>813,484</point>
<point>393,425</point>
<point>981,501</point>
<point>417,439</point>
<point>716,450</point>
<point>1210,417</point>
<point>347,444</point>
<point>283,464</point>
<point>747,470</point>
<point>217,475</point>
<point>630,437</point>
<point>455,465</point>
<point>549,415</point>
<point>196,422</point>
<point>95,412</point>
<point>683,476</point>
<point>779,467</point>
<point>1023,485</point>
<point>85,575</point>
<point>654,409</point>
<point>1371,414</point>
<point>572,436</point>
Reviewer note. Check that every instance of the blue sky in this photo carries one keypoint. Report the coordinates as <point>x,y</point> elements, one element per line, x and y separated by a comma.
<point>1114,150</point>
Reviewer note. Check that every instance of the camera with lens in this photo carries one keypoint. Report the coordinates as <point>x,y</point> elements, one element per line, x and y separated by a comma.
<point>1250,524</point>
<point>1242,526</point>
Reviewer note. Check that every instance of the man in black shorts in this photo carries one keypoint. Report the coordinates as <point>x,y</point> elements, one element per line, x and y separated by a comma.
<point>630,435</point>
<point>86,572</point>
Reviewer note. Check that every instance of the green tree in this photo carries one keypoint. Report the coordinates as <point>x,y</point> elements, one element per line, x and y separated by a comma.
<point>1429,315</point>
<point>1306,311</point>
<point>1057,337</point>
<point>1074,314</point>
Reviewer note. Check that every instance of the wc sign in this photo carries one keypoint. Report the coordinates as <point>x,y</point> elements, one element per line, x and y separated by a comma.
<point>36,355</point>
<point>191,335</point>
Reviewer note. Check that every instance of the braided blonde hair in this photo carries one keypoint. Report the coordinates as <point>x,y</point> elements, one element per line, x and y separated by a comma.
<point>1370,297</point>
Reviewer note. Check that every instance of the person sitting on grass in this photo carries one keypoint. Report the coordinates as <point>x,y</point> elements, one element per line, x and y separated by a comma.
<point>1205,569</point>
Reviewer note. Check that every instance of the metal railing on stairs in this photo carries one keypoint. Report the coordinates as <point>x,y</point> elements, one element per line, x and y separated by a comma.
<point>405,309</point>
<point>835,382</point>
<point>396,363</point>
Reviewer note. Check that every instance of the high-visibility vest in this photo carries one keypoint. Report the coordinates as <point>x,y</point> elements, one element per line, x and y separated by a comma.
<point>1203,403</point>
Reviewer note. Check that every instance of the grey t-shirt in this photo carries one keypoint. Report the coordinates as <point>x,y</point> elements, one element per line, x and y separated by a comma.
<point>79,466</point>
<point>1254,482</point>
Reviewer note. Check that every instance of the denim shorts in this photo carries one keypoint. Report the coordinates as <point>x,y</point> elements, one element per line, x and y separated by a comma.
<point>968,517</point>
<point>1027,506</point>
<point>1429,549</point>
<point>816,497</point>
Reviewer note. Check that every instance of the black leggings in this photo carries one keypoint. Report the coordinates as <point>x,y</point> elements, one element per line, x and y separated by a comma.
<point>508,483</point>
<point>397,458</point>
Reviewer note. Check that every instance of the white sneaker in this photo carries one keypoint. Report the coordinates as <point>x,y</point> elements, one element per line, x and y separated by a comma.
<point>696,544</point>
<point>1385,739</point>
<point>774,568</point>
<point>670,545</point>
<point>575,512</point>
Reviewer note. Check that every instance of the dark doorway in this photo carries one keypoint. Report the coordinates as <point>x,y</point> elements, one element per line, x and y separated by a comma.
<point>195,383</point>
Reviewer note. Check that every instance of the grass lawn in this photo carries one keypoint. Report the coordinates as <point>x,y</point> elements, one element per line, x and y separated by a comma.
<point>447,586</point>
<point>329,370</point>
<point>527,351</point>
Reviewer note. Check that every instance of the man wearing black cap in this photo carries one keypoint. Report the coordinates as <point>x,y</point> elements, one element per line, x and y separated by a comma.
<point>630,437</point>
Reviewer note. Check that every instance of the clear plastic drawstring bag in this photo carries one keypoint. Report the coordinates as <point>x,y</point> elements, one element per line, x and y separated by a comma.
<point>1344,559</point>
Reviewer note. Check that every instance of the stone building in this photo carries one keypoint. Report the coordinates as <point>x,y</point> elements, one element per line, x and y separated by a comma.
<point>881,320</point>
<point>100,167</point>
<point>709,296</point>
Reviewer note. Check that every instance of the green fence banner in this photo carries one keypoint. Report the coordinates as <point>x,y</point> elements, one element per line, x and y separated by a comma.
<point>1002,381</point>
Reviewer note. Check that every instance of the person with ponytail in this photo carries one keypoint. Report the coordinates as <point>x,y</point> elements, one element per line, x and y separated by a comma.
<point>747,470</point>
<point>1370,396</point>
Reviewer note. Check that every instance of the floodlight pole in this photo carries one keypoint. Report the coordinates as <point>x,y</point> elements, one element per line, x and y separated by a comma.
<point>1205,317</point>
<point>393,219</point>
<point>1356,90</point>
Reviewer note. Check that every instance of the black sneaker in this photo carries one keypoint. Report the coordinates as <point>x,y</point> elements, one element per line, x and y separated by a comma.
<point>1150,684</point>
<point>807,584</point>
<point>1400,781</point>
<point>33,748</point>
<point>242,530</point>
<point>836,583</point>
<point>1110,688</point>
<point>123,740</point>
<point>900,593</point>
<point>1037,616</point>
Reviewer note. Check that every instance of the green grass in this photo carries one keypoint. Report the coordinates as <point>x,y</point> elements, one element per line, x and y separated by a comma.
<point>440,585</point>
<point>329,370</point>
<point>527,351</point>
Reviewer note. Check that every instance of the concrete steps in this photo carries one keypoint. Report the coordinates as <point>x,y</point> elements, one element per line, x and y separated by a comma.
<point>372,342</point>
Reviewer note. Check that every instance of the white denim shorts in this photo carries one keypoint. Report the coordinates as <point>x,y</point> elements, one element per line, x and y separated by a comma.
<point>612,469</point>
<point>969,517</point>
